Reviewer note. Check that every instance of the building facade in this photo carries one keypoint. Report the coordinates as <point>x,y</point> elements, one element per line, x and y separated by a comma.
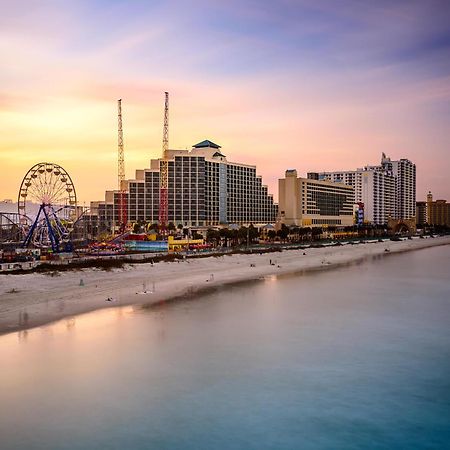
<point>421,213</point>
<point>376,189</point>
<point>404,172</point>
<point>387,190</point>
<point>308,202</point>
<point>204,190</point>
<point>437,212</point>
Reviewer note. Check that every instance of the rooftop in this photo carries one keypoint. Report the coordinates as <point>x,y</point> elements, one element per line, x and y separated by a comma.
<point>205,144</point>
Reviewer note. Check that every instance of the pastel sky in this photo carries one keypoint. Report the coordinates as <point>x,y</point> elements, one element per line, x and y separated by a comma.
<point>312,85</point>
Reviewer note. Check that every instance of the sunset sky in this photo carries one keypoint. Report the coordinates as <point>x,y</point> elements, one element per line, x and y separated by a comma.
<point>312,85</point>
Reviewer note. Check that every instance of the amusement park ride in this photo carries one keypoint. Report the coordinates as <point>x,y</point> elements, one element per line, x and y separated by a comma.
<point>51,187</point>
<point>164,170</point>
<point>123,216</point>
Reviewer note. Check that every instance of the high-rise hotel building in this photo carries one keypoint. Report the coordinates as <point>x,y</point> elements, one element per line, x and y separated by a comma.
<point>309,202</point>
<point>204,190</point>
<point>404,172</point>
<point>374,188</point>
<point>387,190</point>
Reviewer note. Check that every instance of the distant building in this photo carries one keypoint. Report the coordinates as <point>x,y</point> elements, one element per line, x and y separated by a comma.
<point>204,190</point>
<point>376,189</point>
<point>387,190</point>
<point>437,212</point>
<point>404,172</point>
<point>308,202</point>
<point>421,213</point>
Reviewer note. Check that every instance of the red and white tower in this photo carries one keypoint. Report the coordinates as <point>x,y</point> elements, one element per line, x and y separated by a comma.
<point>123,216</point>
<point>164,170</point>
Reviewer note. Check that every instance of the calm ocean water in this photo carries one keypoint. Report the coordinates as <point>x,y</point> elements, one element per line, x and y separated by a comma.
<point>353,358</point>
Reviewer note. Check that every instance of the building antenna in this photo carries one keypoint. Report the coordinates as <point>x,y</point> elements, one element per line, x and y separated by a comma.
<point>164,170</point>
<point>121,171</point>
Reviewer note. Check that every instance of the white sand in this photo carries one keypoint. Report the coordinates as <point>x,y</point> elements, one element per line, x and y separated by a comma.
<point>34,299</point>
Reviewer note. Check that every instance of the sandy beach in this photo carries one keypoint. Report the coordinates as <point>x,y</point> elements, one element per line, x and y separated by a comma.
<point>34,299</point>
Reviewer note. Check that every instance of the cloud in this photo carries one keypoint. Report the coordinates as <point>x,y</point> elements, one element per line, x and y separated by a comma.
<point>316,85</point>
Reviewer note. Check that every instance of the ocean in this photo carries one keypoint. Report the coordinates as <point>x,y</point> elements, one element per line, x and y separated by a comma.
<point>351,358</point>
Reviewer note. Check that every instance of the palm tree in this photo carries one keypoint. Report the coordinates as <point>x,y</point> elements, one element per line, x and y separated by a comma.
<point>253,233</point>
<point>213,236</point>
<point>316,232</point>
<point>296,232</point>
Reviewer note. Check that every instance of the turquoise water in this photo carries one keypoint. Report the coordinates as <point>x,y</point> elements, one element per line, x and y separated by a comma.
<point>352,358</point>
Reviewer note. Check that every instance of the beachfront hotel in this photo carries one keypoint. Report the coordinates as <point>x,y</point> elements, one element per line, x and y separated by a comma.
<point>204,189</point>
<point>309,202</point>
<point>404,172</point>
<point>386,190</point>
<point>373,187</point>
<point>433,212</point>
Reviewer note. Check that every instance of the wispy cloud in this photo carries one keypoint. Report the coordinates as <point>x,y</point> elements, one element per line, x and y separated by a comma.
<point>307,84</point>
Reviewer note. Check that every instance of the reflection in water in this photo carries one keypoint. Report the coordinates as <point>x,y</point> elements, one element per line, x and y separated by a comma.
<point>70,323</point>
<point>22,335</point>
<point>357,357</point>
<point>270,278</point>
<point>84,322</point>
<point>23,318</point>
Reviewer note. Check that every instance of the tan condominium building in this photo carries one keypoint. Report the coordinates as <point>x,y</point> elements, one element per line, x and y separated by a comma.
<point>437,212</point>
<point>308,202</point>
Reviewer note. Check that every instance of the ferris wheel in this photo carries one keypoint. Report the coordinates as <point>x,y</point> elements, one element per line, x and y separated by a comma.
<point>50,186</point>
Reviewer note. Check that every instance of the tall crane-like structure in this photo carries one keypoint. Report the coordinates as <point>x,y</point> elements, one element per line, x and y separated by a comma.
<point>164,170</point>
<point>123,216</point>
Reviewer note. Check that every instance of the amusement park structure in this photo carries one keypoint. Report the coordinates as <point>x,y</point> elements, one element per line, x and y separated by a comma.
<point>51,187</point>
<point>11,227</point>
<point>164,170</point>
<point>123,219</point>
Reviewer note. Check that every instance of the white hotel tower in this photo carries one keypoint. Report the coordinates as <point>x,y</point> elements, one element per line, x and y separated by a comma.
<point>387,190</point>
<point>405,173</point>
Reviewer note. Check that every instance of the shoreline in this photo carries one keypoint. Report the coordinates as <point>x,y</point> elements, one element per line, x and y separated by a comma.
<point>35,299</point>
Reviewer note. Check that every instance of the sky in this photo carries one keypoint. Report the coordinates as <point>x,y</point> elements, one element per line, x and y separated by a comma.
<point>312,85</point>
